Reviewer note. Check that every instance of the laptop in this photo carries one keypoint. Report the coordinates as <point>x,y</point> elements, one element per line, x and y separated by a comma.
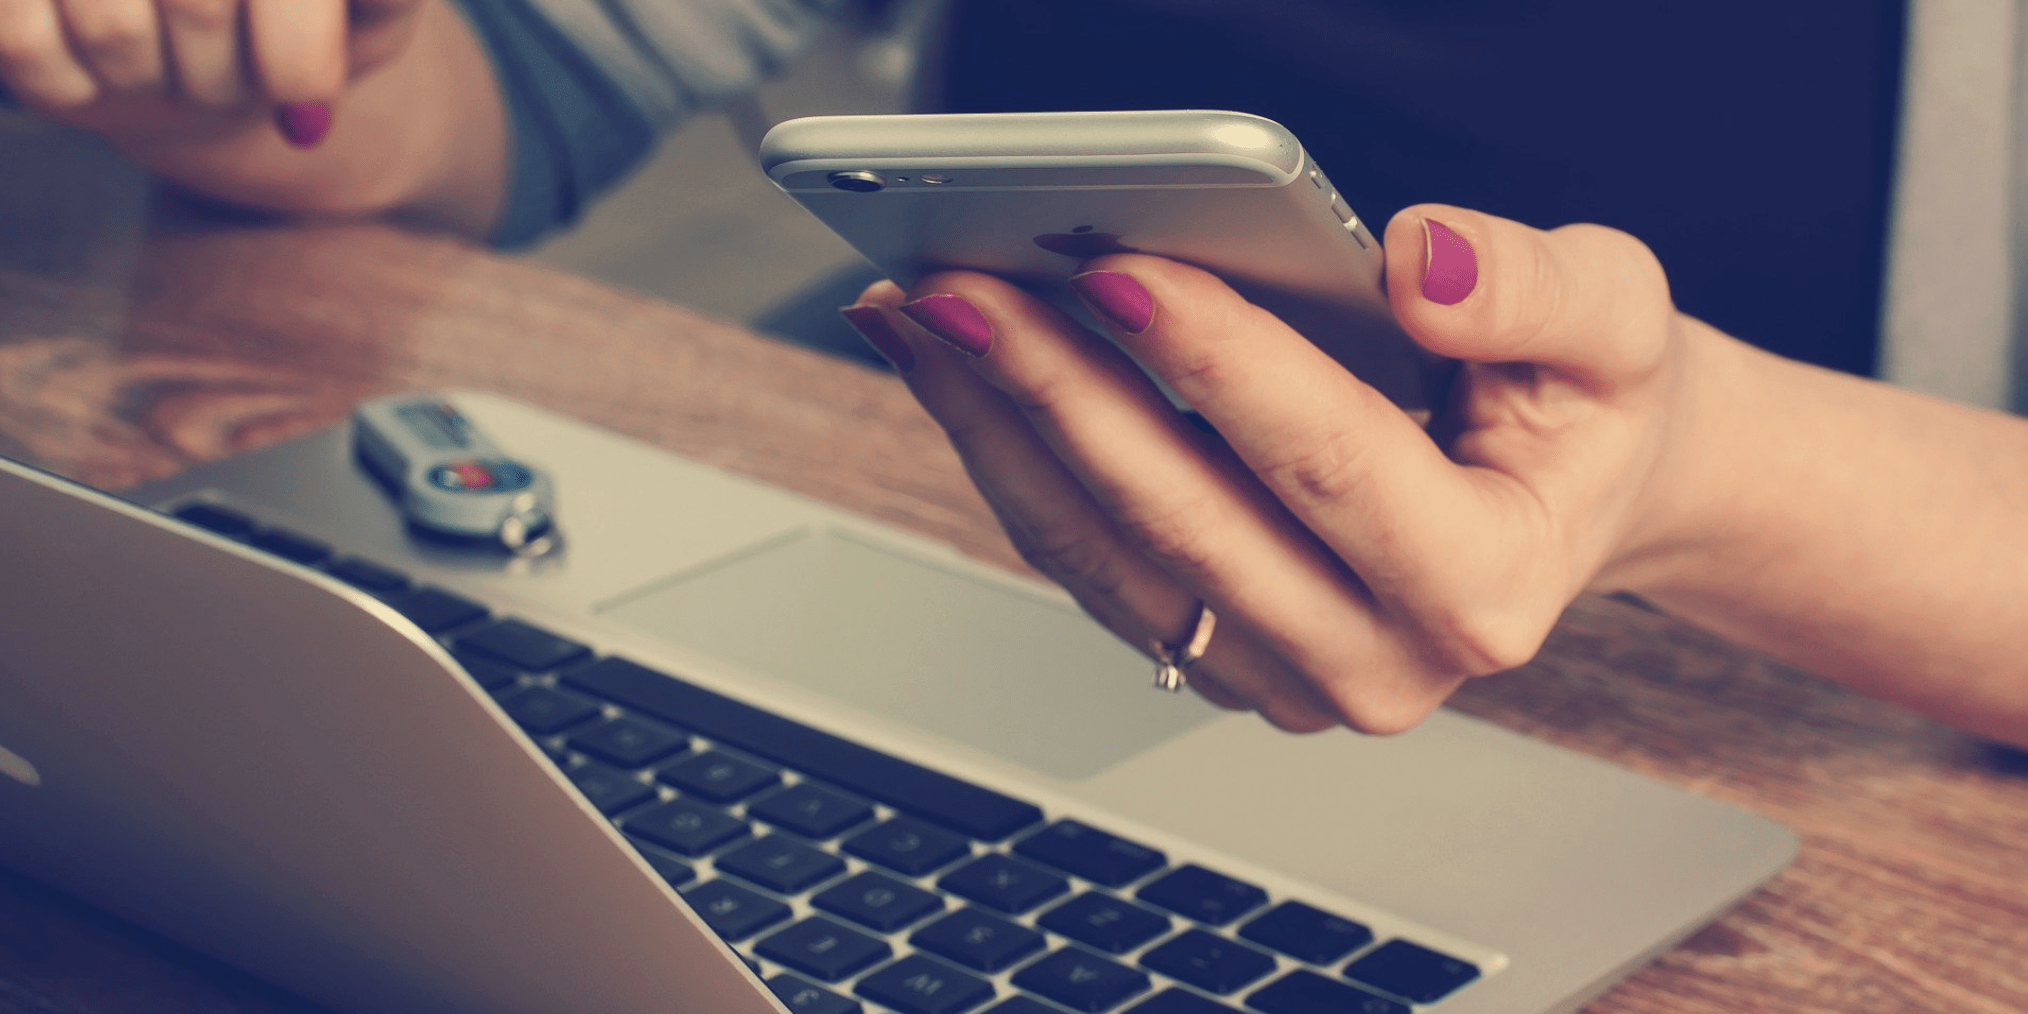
<point>734,751</point>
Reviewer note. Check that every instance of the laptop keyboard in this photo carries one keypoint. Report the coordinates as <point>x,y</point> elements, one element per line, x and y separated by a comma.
<point>849,878</point>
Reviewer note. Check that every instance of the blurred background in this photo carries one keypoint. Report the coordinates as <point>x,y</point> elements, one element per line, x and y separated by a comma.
<point>700,225</point>
<point>1472,102</point>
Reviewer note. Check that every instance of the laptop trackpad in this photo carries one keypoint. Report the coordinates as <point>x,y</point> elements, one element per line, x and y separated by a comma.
<point>1023,676</point>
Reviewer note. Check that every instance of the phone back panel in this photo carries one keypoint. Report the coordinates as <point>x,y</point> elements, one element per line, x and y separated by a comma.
<point>1031,196</point>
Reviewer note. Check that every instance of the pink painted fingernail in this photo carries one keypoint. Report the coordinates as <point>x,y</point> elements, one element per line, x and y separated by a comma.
<point>956,322</point>
<point>304,124</point>
<point>872,325</point>
<point>1118,297</point>
<point>1450,270</point>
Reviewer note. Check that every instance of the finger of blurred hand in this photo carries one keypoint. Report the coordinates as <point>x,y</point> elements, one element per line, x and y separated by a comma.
<point>36,60</point>
<point>298,48</point>
<point>204,44</point>
<point>1054,523</point>
<point>119,42</point>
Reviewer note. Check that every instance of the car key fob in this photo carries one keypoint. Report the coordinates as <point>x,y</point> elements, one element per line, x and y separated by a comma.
<point>450,479</point>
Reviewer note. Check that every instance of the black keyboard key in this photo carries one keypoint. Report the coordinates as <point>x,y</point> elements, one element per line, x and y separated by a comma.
<point>817,946</point>
<point>629,742</point>
<point>524,646</point>
<point>732,911</point>
<point>781,864</point>
<point>878,901</point>
<point>1208,961</point>
<point>292,546</point>
<point>673,870</point>
<point>801,997</point>
<point>935,796</point>
<point>1176,1001</point>
<point>220,520</point>
<point>1104,922</point>
<point>687,827</point>
<point>1307,934</point>
<point>907,846</point>
<point>367,576</point>
<point>1206,896</point>
<point>977,940</point>
<point>608,788</point>
<point>1305,992</point>
<point>542,710</point>
<point>920,985</point>
<point>1084,851</point>
<point>490,675</point>
<point>436,610</point>
<point>812,811</point>
<point>1411,971</point>
<point>1003,882</point>
<point>1081,980</point>
<point>719,777</point>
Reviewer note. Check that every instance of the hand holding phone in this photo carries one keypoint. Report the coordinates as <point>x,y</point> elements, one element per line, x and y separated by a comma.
<point>1359,566</point>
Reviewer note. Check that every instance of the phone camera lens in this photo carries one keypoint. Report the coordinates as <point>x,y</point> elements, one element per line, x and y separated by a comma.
<point>857,180</point>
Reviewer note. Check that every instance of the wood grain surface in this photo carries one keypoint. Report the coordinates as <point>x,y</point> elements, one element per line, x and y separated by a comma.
<point>1911,893</point>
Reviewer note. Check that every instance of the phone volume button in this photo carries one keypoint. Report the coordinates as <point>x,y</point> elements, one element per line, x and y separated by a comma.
<point>1341,209</point>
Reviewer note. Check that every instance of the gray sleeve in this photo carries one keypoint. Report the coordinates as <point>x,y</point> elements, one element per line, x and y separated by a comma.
<point>672,57</point>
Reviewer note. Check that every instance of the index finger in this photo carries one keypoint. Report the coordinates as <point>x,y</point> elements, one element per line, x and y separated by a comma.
<point>35,59</point>
<point>298,48</point>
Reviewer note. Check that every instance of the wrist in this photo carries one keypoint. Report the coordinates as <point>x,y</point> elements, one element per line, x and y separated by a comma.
<point>1710,423</point>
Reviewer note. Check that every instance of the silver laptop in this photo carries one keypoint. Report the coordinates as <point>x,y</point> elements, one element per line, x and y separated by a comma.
<point>731,750</point>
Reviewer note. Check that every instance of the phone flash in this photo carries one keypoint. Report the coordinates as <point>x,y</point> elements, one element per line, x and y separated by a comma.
<point>935,178</point>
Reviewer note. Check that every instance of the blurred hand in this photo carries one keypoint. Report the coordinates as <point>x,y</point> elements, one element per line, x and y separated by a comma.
<point>141,71</point>
<point>1360,567</point>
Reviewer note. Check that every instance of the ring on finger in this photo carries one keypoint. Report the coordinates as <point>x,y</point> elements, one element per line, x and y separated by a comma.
<point>1171,661</point>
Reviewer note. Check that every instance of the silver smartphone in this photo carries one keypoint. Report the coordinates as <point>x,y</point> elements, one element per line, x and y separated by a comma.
<point>1030,196</point>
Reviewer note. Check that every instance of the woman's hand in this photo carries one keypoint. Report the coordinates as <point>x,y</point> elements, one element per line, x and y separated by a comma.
<point>234,99</point>
<point>1359,566</point>
<point>143,70</point>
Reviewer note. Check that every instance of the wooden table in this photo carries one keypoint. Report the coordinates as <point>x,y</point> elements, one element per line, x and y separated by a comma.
<point>1911,893</point>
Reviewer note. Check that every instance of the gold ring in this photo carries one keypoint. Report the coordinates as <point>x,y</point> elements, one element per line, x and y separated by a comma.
<point>1170,662</point>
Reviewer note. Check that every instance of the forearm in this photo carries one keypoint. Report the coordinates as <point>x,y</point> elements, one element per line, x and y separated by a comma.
<point>421,137</point>
<point>1873,535</point>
